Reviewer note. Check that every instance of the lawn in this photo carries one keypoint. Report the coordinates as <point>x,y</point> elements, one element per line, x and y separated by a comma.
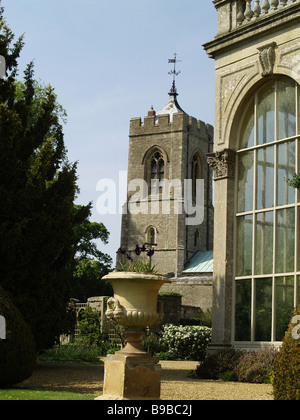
<point>15,394</point>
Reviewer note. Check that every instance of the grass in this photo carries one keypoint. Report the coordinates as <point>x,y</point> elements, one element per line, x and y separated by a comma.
<point>15,394</point>
<point>72,353</point>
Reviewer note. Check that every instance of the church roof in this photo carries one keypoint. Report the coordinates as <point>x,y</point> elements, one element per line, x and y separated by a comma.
<point>201,262</point>
<point>172,106</point>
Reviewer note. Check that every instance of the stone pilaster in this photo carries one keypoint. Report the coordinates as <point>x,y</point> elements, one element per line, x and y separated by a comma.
<point>223,163</point>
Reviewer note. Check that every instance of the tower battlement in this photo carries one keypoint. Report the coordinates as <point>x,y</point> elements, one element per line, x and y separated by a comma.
<point>162,123</point>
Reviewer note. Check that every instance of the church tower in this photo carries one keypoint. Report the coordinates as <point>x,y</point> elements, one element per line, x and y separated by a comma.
<point>167,177</point>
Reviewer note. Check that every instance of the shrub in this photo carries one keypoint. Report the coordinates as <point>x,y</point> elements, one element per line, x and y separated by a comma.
<point>76,353</point>
<point>238,365</point>
<point>286,378</point>
<point>257,367</point>
<point>153,345</point>
<point>186,343</point>
<point>17,352</point>
<point>216,365</point>
<point>89,326</point>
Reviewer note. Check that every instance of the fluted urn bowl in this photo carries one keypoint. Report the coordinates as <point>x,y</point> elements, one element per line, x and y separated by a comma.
<point>135,302</point>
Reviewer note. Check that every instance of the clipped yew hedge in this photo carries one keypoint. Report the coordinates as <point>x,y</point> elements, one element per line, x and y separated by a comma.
<point>17,351</point>
<point>286,380</point>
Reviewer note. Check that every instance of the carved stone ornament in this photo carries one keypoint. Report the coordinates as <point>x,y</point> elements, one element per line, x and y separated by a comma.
<point>267,59</point>
<point>223,163</point>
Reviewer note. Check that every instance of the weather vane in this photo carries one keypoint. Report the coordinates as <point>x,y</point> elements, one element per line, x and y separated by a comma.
<point>173,72</point>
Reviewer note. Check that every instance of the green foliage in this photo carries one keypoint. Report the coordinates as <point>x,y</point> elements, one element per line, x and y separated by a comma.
<point>86,233</point>
<point>42,395</point>
<point>89,264</point>
<point>295,181</point>
<point>153,345</point>
<point>72,353</point>
<point>217,364</point>
<point>186,342</point>
<point>175,342</point>
<point>37,193</point>
<point>87,279</point>
<point>178,342</point>
<point>286,377</point>
<point>257,367</point>
<point>204,320</point>
<point>241,366</point>
<point>17,352</point>
<point>89,326</point>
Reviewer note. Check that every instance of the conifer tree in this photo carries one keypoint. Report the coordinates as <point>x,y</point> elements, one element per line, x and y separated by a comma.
<point>37,192</point>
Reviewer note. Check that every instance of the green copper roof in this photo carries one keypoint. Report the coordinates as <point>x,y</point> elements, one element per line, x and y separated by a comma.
<point>201,262</point>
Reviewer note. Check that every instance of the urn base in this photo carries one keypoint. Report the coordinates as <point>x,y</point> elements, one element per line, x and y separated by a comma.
<point>131,378</point>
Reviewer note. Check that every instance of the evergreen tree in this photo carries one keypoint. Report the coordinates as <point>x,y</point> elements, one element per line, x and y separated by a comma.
<point>90,264</point>
<point>37,192</point>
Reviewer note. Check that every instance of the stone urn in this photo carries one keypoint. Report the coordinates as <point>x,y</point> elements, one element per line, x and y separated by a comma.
<point>132,373</point>
<point>135,306</point>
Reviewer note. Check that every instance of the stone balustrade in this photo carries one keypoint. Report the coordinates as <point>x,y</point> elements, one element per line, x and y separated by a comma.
<point>233,14</point>
<point>249,10</point>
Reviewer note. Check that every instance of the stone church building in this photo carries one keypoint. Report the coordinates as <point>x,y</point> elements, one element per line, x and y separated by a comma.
<point>168,175</point>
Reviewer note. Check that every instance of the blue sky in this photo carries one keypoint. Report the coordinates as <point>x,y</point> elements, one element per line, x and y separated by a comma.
<point>108,63</point>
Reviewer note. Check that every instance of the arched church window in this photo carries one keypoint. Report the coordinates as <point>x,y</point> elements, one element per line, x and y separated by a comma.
<point>151,236</point>
<point>267,272</point>
<point>196,173</point>
<point>196,239</point>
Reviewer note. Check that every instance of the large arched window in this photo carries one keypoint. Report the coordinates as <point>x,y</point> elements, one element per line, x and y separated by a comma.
<point>155,162</point>
<point>267,269</point>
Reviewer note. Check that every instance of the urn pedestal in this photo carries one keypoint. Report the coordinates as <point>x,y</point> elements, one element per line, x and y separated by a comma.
<point>132,373</point>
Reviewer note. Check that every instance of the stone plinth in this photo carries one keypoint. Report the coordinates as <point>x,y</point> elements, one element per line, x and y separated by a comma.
<point>131,378</point>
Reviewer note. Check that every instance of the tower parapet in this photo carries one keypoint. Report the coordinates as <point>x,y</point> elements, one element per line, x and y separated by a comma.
<point>162,123</point>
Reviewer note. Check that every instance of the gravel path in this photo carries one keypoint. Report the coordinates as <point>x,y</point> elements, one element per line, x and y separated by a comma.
<point>88,379</point>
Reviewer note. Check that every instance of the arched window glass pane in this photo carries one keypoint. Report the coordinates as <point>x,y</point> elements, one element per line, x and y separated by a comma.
<point>265,178</point>
<point>284,304</point>
<point>244,248</point>
<point>263,312</point>
<point>286,168</point>
<point>266,114</point>
<point>247,129</point>
<point>287,109</point>
<point>243,310</point>
<point>264,243</point>
<point>285,249</point>
<point>245,182</point>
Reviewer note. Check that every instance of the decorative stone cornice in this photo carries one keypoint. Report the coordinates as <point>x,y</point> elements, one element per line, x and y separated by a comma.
<point>223,163</point>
